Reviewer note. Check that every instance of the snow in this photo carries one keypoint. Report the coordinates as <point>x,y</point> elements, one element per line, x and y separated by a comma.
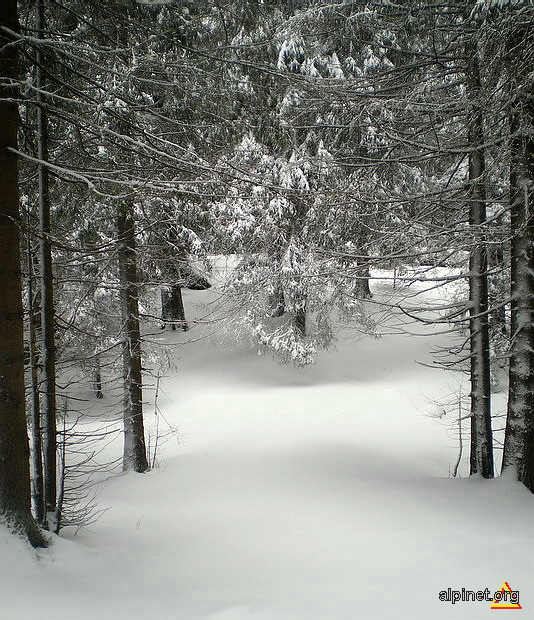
<point>320,493</point>
<point>154,2</point>
<point>500,4</point>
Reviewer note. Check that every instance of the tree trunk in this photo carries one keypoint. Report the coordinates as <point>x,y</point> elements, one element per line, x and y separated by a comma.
<point>134,456</point>
<point>519,440</point>
<point>15,501</point>
<point>48,352</point>
<point>35,417</point>
<point>276,301</point>
<point>172,307</point>
<point>364,275</point>
<point>481,461</point>
<point>96,372</point>
<point>299,319</point>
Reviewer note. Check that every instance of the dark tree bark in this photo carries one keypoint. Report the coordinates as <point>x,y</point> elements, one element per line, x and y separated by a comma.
<point>48,348</point>
<point>172,307</point>
<point>481,461</point>
<point>134,456</point>
<point>39,503</point>
<point>96,372</point>
<point>519,441</point>
<point>299,320</point>
<point>15,500</point>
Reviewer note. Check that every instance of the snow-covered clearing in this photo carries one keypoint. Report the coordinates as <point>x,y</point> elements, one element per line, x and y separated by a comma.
<point>316,493</point>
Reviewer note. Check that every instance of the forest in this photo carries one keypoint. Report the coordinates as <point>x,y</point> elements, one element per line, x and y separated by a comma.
<point>277,174</point>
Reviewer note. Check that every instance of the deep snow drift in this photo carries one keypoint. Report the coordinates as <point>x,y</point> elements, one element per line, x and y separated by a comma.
<point>316,493</point>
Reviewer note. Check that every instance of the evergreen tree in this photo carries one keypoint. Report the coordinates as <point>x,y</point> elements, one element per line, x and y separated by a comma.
<point>14,465</point>
<point>516,20</point>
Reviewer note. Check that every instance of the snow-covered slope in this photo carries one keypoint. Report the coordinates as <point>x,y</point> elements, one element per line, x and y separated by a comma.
<point>317,493</point>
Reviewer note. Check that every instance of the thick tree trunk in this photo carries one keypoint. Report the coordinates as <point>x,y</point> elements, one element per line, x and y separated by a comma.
<point>481,461</point>
<point>134,456</point>
<point>519,441</point>
<point>48,352</point>
<point>15,502</point>
<point>172,307</point>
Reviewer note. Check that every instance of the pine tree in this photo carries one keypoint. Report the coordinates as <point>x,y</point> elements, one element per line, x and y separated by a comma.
<point>516,20</point>
<point>14,465</point>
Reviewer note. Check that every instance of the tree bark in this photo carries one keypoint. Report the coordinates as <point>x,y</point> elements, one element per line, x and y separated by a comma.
<point>299,319</point>
<point>172,307</point>
<point>39,503</point>
<point>48,352</point>
<point>481,460</point>
<point>96,372</point>
<point>134,456</point>
<point>519,439</point>
<point>15,501</point>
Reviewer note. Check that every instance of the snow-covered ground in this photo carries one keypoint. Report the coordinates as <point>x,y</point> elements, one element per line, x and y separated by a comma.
<point>292,494</point>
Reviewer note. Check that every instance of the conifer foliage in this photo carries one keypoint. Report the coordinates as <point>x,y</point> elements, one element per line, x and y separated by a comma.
<point>317,142</point>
